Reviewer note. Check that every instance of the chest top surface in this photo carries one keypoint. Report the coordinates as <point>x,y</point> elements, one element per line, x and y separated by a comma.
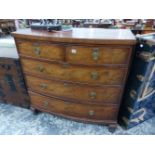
<point>80,35</point>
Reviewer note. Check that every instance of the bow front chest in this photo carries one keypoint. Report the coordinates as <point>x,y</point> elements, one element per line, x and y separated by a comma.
<point>79,74</point>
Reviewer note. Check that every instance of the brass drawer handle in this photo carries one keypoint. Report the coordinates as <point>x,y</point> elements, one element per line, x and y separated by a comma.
<point>65,65</point>
<point>147,56</point>
<point>37,51</point>
<point>93,95</point>
<point>65,84</point>
<point>40,68</point>
<point>43,85</point>
<point>91,113</point>
<point>45,104</point>
<point>133,94</point>
<point>95,54</point>
<point>140,77</point>
<point>94,75</point>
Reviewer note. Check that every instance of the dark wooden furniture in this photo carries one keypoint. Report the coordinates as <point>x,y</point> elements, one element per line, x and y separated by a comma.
<point>12,86</point>
<point>78,74</point>
<point>138,103</point>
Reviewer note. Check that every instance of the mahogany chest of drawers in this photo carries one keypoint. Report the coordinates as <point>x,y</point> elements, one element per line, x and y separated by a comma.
<point>79,74</point>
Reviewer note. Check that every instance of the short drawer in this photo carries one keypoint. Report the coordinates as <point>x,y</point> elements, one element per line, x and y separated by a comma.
<point>41,50</point>
<point>98,55</point>
<point>106,94</point>
<point>83,74</point>
<point>71,109</point>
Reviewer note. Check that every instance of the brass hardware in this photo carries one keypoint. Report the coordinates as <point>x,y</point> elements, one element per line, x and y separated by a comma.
<point>45,104</point>
<point>130,109</point>
<point>95,54</point>
<point>40,68</point>
<point>133,94</point>
<point>92,95</point>
<point>67,103</point>
<point>140,77</point>
<point>94,75</point>
<point>37,51</point>
<point>147,56</point>
<point>152,58</point>
<point>125,120</point>
<point>91,113</point>
<point>43,85</point>
<point>65,84</point>
<point>65,65</point>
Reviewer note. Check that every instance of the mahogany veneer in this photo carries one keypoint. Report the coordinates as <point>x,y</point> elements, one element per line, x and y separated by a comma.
<point>78,74</point>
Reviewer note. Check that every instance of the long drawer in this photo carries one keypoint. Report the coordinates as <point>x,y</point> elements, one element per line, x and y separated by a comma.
<point>83,74</point>
<point>41,50</point>
<point>73,110</point>
<point>106,94</point>
<point>98,55</point>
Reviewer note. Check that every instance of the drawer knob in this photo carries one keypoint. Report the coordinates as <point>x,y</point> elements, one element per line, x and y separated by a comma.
<point>94,75</point>
<point>91,113</point>
<point>93,95</point>
<point>37,51</point>
<point>40,68</point>
<point>45,104</point>
<point>95,54</point>
<point>43,85</point>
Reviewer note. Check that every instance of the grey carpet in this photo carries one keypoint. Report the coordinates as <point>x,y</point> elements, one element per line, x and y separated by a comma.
<point>19,121</point>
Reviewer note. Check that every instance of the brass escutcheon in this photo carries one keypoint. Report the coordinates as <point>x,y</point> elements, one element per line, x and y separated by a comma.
<point>40,68</point>
<point>91,113</point>
<point>95,54</point>
<point>45,104</point>
<point>43,85</point>
<point>94,75</point>
<point>92,95</point>
<point>37,51</point>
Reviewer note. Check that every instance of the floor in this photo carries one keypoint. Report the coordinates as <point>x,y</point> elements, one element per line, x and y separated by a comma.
<point>19,121</point>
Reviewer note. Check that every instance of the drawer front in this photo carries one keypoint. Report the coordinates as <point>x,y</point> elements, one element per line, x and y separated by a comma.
<point>73,109</point>
<point>93,75</point>
<point>41,50</point>
<point>101,55</point>
<point>74,91</point>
